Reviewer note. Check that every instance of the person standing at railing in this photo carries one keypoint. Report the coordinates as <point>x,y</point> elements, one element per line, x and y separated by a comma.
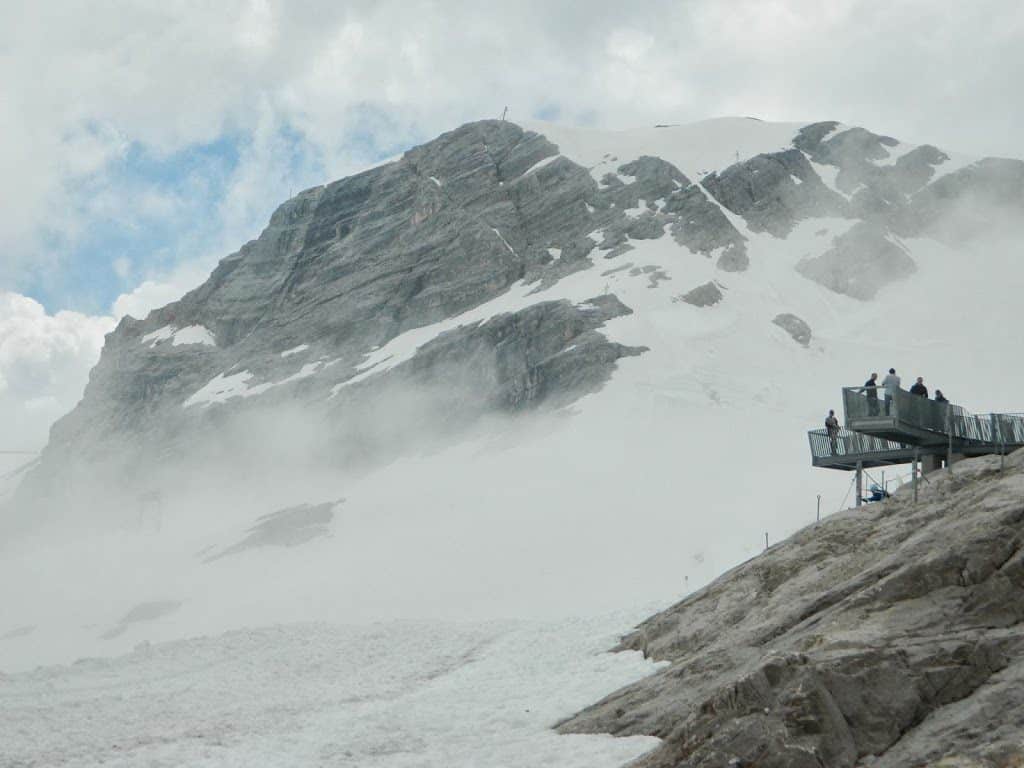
<point>919,388</point>
<point>832,428</point>
<point>942,415</point>
<point>892,386</point>
<point>871,392</point>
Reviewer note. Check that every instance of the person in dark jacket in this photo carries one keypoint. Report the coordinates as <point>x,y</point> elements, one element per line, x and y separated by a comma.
<point>919,388</point>
<point>942,411</point>
<point>871,391</point>
<point>832,428</point>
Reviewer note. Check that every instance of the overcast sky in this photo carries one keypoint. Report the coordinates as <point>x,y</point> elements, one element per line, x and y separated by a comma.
<point>143,141</point>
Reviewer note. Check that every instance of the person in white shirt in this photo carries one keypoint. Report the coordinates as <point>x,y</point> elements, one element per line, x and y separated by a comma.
<point>891,383</point>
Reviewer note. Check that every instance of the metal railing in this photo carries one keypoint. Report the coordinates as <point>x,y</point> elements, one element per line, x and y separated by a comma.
<point>846,442</point>
<point>939,418</point>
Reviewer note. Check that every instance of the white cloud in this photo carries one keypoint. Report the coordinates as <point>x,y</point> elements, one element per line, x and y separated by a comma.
<point>152,294</point>
<point>44,365</point>
<point>85,81</point>
<point>122,267</point>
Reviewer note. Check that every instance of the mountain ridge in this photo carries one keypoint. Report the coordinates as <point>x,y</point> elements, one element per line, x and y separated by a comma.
<point>346,266</point>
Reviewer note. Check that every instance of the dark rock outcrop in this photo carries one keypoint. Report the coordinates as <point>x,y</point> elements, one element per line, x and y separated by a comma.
<point>859,263</point>
<point>706,295</point>
<point>888,636</point>
<point>772,192</point>
<point>798,330</point>
<point>289,527</point>
<point>985,196</point>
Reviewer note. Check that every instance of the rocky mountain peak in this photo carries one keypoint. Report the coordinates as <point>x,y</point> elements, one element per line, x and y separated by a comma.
<point>492,226</point>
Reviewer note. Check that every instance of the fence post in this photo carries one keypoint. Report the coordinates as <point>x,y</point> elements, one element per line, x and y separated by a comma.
<point>949,432</point>
<point>819,508</point>
<point>860,482</point>
<point>914,470</point>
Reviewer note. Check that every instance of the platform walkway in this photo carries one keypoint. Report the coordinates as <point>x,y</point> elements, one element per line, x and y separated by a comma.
<point>902,429</point>
<point>849,447</point>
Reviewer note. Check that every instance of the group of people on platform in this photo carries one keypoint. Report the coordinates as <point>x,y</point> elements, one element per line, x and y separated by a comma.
<point>890,385</point>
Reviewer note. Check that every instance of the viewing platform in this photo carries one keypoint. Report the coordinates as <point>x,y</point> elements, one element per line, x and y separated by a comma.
<point>849,447</point>
<point>919,421</point>
<point>903,428</point>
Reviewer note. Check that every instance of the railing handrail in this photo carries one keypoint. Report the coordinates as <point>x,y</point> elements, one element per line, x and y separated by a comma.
<point>935,416</point>
<point>848,442</point>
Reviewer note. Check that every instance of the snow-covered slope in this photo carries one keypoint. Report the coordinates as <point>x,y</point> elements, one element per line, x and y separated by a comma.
<point>681,447</point>
<point>402,694</point>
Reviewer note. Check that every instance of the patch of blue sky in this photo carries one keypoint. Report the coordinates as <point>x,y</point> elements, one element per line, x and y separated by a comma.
<point>145,211</point>
<point>549,113</point>
<point>374,133</point>
<point>137,213</point>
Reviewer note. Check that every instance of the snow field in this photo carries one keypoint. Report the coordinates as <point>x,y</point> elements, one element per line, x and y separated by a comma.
<point>383,696</point>
<point>193,334</point>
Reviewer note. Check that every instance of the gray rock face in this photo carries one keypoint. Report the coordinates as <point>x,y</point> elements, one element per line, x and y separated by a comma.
<point>671,201</point>
<point>706,295</point>
<point>702,227</point>
<point>859,263</point>
<point>973,201</point>
<point>773,192</point>
<point>142,612</point>
<point>548,354</point>
<point>795,327</point>
<point>343,269</point>
<point>284,528</point>
<point>890,636</point>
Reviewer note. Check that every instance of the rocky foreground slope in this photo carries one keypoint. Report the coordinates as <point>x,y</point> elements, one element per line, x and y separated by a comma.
<point>887,636</point>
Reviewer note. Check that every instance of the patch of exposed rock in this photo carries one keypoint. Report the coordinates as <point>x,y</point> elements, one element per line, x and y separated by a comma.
<point>974,201</point>
<point>887,636</point>
<point>289,527</point>
<point>798,330</point>
<point>657,195</point>
<point>859,264</point>
<point>142,612</point>
<point>706,295</point>
<point>774,191</point>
